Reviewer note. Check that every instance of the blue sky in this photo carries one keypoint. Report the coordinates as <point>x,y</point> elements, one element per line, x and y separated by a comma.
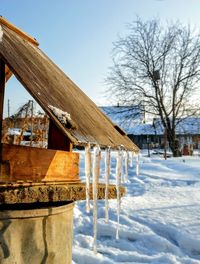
<point>78,34</point>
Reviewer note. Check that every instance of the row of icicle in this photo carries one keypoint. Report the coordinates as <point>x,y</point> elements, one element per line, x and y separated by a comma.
<point>92,167</point>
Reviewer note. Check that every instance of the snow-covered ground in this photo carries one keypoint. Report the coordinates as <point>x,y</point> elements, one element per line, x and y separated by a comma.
<point>160,216</point>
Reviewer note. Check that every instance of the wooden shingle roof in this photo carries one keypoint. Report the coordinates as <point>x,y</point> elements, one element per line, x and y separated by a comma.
<point>51,88</point>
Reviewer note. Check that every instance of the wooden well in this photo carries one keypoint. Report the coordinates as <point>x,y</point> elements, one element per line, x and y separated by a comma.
<point>38,186</point>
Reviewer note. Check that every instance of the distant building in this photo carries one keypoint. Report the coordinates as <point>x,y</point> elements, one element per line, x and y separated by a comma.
<point>132,121</point>
<point>187,131</point>
<point>127,117</point>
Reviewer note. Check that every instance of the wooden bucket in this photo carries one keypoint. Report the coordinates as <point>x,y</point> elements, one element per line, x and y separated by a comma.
<point>36,235</point>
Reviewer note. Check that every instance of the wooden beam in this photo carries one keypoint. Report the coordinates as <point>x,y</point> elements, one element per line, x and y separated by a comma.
<point>8,73</point>
<point>57,140</point>
<point>4,164</point>
<point>2,90</point>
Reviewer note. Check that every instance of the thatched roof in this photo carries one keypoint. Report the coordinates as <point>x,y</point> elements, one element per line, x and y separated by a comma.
<point>52,89</point>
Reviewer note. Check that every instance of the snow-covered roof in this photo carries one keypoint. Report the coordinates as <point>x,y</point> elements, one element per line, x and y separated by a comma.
<point>131,119</point>
<point>188,125</point>
<point>127,117</point>
<point>143,129</point>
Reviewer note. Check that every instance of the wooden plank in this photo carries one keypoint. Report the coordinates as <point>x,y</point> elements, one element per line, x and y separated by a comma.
<point>35,164</point>
<point>57,140</point>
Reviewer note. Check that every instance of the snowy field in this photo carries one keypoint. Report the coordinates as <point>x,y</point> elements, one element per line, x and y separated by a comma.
<point>159,221</point>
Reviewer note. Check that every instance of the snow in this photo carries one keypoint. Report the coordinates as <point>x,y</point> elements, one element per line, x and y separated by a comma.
<point>14,131</point>
<point>64,117</point>
<point>1,33</point>
<point>188,125</point>
<point>159,215</point>
<point>18,131</point>
<point>142,129</point>
<point>131,120</point>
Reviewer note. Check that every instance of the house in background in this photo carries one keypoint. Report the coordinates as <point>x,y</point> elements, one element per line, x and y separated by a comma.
<point>144,135</point>
<point>187,131</point>
<point>126,117</point>
<point>132,121</point>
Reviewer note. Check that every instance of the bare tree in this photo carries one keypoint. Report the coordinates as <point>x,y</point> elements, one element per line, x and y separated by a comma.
<point>158,67</point>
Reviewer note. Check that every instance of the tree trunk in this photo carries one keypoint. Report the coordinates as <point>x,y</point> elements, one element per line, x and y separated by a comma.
<point>173,143</point>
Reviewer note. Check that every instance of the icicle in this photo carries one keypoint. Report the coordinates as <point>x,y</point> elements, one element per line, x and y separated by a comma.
<point>96,173</point>
<point>107,177</point>
<point>137,165</point>
<point>126,165</point>
<point>122,167</point>
<point>118,183</point>
<point>131,159</point>
<point>87,175</point>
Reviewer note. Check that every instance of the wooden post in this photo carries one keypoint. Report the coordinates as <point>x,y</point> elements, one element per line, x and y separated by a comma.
<point>4,164</point>
<point>31,141</point>
<point>2,89</point>
<point>8,108</point>
<point>8,114</point>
